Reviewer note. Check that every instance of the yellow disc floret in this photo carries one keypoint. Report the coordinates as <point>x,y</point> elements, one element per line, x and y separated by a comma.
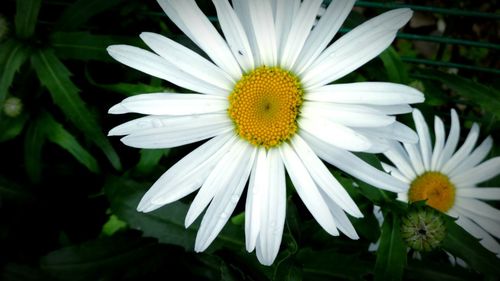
<point>434,187</point>
<point>264,106</point>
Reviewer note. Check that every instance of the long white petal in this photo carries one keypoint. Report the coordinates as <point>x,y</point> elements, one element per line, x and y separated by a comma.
<point>393,171</point>
<point>242,10</point>
<point>286,11</point>
<point>353,165</point>
<point>191,20</point>
<point>157,66</point>
<point>300,29</point>
<point>355,116</point>
<point>172,132</point>
<point>415,157</point>
<point>274,210</point>
<point>257,190</point>
<point>343,222</point>
<point>486,240</point>
<point>464,151</point>
<point>355,48</point>
<point>483,172</point>
<point>491,226</point>
<point>451,141</point>
<point>474,158</point>
<point>400,158</point>
<point>323,32</point>
<point>485,193</point>
<point>235,34</point>
<point>225,201</point>
<point>375,93</point>
<point>187,175</point>
<point>393,109</point>
<point>261,16</point>
<point>439,143</point>
<point>478,207</point>
<point>171,104</point>
<point>424,138</point>
<point>191,62</point>
<point>323,178</point>
<point>395,131</point>
<point>307,190</point>
<point>335,134</point>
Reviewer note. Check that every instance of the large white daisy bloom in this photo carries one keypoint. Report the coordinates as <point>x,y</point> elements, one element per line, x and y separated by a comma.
<point>447,178</point>
<point>263,101</point>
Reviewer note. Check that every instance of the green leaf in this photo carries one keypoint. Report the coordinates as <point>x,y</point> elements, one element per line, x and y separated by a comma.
<point>12,127</point>
<point>33,143</point>
<point>56,77</point>
<point>85,46</point>
<point>460,243</point>
<point>113,225</point>
<point>26,17</point>
<point>391,254</point>
<point>167,223</point>
<point>94,259</point>
<point>150,159</point>
<point>396,70</point>
<point>431,271</point>
<point>13,190</point>
<point>484,96</point>
<point>12,55</point>
<point>332,265</point>
<point>56,133</point>
<point>82,10</point>
<point>132,89</point>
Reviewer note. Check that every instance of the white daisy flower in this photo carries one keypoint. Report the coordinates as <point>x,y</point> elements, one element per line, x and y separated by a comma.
<point>447,178</point>
<point>263,101</point>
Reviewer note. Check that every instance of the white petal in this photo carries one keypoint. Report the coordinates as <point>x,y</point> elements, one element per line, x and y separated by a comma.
<point>415,157</point>
<point>348,115</point>
<point>224,202</point>
<point>424,138</point>
<point>257,188</point>
<point>343,222</point>
<point>395,131</point>
<point>323,33</point>
<point>235,34</point>
<point>300,29</point>
<point>191,20</point>
<point>286,11</point>
<point>400,158</point>
<point>261,16</point>
<point>172,132</point>
<point>486,240</point>
<point>478,207</point>
<point>157,66</point>
<point>171,104</point>
<point>439,143</point>
<point>373,93</point>
<point>307,190</point>
<point>485,193</point>
<point>323,178</point>
<point>483,172</point>
<point>393,171</point>
<point>191,62</point>
<point>355,48</point>
<point>187,175</point>
<point>393,109</point>
<point>451,142</point>
<point>353,165</point>
<point>464,151</point>
<point>274,210</point>
<point>491,226</point>
<point>474,158</point>
<point>403,197</point>
<point>242,9</point>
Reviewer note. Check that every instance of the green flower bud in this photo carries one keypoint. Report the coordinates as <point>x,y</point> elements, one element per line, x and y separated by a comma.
<point>13,107</point>
<point>423,229</point>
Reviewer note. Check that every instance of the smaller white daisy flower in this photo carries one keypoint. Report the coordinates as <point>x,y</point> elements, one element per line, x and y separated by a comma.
<point>448,179</point>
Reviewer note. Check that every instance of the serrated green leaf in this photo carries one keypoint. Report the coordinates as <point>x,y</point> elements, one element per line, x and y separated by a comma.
<point>391,253</point>
<point>332,265</point>
<point>56,133</point>
<point>167,223</point>
<point>94,259</point>
<point>396,70</point>
<point>33,143</point>
<point>149,159</point>
<point>26,17</point>
<point>56,77</point>
<point>84,45</point>
<point>82,10</point>
<point>484,96</point>
<point>460,243</point>
<point>12,55</point>
<point>12,127</point>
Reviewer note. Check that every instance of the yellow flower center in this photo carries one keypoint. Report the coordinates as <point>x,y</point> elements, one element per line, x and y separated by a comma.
<point>264,106</point>
<point>434,187</point>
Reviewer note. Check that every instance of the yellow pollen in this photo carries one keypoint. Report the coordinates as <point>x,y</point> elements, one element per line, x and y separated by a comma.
<point>434,187</point>
<point>264,106</point>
